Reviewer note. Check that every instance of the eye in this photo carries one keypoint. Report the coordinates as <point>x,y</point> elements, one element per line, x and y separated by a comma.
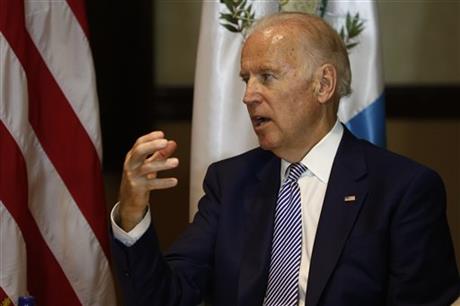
<point>245,79</point>
<point>267,77</point>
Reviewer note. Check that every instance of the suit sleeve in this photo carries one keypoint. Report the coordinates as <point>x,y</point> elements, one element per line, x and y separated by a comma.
<point>181,276</point>
<point>422,262</point>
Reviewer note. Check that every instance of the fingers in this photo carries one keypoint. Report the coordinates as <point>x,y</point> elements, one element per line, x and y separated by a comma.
<point>165,152</point>
<point>149,155</point>
<point>154,145</point>
<point>154,166</point>
<point>169,149</point>
<point>162,183</point>
<point>140,151</point>
<point>149,137</point>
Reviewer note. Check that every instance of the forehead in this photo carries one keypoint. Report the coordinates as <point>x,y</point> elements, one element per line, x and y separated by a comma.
<point>272,44</point>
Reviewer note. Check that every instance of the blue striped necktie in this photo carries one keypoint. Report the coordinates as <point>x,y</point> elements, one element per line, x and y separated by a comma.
<point>283,277</point>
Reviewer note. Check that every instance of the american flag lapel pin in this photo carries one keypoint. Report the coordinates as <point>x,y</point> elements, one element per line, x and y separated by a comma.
<point>349,199</point>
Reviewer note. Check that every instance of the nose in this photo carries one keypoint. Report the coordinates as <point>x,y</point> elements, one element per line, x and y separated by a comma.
<point>251,94</point>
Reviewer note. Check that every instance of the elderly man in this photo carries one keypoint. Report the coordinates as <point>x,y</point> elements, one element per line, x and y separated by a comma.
<point>312,217</point>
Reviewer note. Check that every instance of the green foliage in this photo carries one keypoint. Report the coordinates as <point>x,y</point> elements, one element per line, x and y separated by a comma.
<point>322,8</point>
<point>354,25</point>
<point>239,17</point>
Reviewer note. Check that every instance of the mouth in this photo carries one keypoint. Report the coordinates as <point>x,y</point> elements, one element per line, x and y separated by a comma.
<point>259,121</point>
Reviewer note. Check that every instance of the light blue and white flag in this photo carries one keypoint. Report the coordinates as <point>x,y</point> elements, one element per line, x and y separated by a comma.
<point>364,110</point>
<point>221,127</point>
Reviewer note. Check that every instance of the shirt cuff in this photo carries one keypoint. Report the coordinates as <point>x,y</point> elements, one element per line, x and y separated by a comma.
<point>129,238</point>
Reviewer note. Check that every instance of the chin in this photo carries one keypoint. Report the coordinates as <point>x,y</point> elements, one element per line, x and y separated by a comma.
<point>267,145</point>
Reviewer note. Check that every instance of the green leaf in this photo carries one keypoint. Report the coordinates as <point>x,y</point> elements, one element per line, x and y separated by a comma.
<point>228,4</point>
<point>349,46</point>
<point>322,8</point>
<point>352,32</point>
<point>229,18</point>
<point>348,21</point>
<point>342,33</point>
<point>231,28</point>
<point>241,15</point>
<point>356,30</point>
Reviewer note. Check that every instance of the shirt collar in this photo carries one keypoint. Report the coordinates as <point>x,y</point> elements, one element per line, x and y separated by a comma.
<point>320,158</point>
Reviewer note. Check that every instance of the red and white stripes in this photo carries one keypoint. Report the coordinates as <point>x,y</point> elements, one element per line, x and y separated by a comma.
<point>13,260</point>
<point>52,215</point>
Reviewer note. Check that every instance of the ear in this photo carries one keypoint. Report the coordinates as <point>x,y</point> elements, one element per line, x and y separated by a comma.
<point>325,83</point>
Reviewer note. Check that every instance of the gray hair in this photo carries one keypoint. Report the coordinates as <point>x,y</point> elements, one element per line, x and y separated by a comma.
<point>322,44</point>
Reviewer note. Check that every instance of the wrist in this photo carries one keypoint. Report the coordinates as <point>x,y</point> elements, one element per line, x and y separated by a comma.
<point>129,217</point>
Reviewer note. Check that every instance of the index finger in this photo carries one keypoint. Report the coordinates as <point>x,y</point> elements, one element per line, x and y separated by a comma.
<point>149,137</point>
<point>140,152</point>
<point>165,152</point>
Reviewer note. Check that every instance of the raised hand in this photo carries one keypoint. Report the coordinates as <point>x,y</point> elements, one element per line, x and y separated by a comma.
<point>149,155</point>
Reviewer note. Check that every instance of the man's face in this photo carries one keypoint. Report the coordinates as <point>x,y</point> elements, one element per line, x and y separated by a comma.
<point>279,94</point>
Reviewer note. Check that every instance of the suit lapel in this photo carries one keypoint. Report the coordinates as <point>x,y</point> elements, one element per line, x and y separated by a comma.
<point>345,194</point>
<point>260,204</point>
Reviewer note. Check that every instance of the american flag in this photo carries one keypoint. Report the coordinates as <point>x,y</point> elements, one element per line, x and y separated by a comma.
<point>53,233</point>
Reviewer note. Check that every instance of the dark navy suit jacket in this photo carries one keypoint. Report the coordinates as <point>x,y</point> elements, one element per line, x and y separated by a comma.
<point>391,246</point>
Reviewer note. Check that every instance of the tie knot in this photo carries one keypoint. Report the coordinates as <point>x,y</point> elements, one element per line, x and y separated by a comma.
<point>295,170</point>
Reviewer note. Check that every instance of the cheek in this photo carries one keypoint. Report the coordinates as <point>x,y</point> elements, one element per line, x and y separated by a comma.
<point>300,113</point>
<point>295,106</point>
<point>290,101</point>
<point>288,118</point>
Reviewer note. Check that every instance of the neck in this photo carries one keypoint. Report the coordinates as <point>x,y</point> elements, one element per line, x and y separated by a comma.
<point>297,153</point>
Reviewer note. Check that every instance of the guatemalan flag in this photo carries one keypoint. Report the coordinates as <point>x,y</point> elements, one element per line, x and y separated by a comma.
<point>221,127</point>
<point>364,110</point>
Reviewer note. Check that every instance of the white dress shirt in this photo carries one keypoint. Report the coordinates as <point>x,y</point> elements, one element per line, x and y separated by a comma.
<point>312,184</point>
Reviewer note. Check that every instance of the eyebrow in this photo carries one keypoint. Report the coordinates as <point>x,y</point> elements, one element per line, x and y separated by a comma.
<point>268,68</point>
<point>262,69</point>
<point>243,74</point>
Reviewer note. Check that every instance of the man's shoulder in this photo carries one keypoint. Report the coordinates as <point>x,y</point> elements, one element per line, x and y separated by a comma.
<point>386,161</point>
<point>236,172</point>
<point>251,157</point>
<point>250,161</point>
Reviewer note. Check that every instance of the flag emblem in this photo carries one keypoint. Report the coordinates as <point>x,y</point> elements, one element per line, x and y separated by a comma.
<point>350,199</point>
<point>239,15</point>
